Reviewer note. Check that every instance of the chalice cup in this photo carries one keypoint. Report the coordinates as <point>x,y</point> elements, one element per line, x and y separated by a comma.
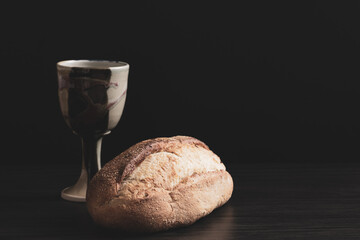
<point>92,97</point>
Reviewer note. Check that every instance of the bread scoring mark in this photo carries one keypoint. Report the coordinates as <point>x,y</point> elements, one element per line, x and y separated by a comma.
<point>167,169</point>
<point>125,163</point>
<point>114,172</point>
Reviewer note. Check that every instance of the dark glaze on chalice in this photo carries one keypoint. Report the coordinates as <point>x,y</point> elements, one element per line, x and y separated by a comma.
<point>85,103</point>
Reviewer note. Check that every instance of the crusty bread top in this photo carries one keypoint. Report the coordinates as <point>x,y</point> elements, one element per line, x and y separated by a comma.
<point>165,170</point>
<point>165,162</point>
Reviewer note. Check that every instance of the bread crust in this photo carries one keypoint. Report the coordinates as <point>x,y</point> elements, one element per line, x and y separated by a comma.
<point>160,208</point>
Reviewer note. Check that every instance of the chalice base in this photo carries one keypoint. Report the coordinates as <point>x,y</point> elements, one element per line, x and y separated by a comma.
<point>77,193</point>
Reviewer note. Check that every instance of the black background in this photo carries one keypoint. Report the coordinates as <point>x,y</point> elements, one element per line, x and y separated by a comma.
<point>258,82</point>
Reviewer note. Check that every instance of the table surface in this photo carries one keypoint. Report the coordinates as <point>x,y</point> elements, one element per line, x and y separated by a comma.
<point>270,201</point>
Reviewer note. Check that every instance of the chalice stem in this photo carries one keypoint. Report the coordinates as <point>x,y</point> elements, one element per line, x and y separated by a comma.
<point>91,154</point>
<point>91,163</point>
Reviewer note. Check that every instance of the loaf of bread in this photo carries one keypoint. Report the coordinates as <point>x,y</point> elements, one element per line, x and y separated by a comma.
<point>159,184</point>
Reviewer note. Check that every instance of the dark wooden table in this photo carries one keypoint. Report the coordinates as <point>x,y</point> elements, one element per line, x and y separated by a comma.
<point>270,201</point>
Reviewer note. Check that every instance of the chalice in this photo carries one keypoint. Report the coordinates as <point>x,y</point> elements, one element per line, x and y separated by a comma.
<point>92,96</point>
